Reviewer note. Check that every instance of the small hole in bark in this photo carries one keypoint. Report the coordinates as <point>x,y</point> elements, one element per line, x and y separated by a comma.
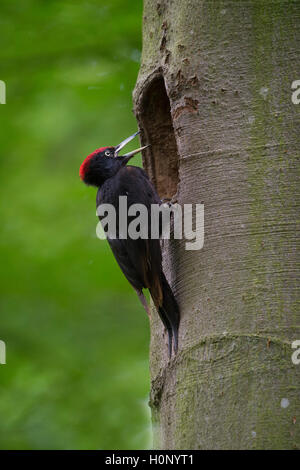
<point>161,159</point>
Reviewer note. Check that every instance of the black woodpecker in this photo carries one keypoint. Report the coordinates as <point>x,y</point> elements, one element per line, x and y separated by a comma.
<point>139,259</point>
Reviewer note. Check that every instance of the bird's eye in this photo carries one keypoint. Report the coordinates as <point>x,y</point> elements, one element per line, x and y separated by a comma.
<point>107,153</point>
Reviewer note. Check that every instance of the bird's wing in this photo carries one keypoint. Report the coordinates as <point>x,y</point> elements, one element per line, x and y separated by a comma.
<point>140,260</point>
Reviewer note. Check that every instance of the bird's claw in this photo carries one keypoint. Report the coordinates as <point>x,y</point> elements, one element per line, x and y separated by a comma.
<point>170,202</point>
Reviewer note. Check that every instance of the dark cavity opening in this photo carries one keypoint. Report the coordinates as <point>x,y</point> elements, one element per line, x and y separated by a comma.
<point>161,159</point>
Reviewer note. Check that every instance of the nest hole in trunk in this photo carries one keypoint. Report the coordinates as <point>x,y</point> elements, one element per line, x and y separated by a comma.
<point>161,158</point>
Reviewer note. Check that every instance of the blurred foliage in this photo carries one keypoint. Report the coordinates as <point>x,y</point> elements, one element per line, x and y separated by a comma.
<point>77,339</point>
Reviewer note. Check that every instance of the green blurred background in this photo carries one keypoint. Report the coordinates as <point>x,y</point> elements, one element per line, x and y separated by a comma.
<point>76,336</point>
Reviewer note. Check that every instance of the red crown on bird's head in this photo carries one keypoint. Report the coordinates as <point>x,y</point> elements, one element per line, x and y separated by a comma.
<point>85,164</point>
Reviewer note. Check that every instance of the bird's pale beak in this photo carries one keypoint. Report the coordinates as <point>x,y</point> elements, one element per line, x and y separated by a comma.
<point>130,154</point>
<point>125,142</point>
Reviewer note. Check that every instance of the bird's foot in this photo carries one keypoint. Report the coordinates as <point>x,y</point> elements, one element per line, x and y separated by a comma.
<point>170,202</point>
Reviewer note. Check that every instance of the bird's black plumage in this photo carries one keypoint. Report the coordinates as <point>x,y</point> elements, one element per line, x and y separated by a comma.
<point>139,259</point>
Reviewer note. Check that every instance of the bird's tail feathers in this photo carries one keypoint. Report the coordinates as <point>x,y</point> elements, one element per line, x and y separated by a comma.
<point>168,311</point>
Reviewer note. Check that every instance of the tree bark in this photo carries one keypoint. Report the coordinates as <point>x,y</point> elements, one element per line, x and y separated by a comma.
<point>213,98</point>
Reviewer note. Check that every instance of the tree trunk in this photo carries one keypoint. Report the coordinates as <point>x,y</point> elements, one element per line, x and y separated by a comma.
<point>213,98</point>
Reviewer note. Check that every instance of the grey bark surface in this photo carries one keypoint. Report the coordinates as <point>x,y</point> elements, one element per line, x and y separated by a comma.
<point>232,142</point>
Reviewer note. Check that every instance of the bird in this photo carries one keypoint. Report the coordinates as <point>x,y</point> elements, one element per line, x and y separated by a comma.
<point>140,259</point>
